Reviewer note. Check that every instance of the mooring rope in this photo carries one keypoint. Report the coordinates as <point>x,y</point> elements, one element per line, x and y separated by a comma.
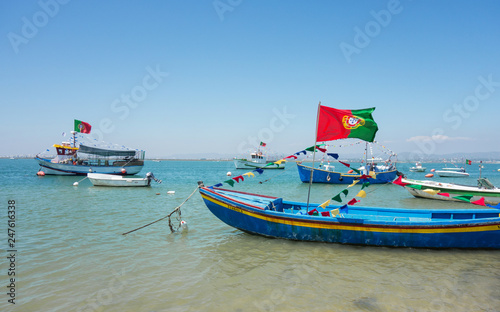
<point>177,209</point>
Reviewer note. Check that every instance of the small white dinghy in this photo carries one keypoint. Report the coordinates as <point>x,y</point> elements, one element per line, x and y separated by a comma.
<point>101,179</point>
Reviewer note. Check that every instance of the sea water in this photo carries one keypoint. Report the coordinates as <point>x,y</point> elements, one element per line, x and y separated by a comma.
<point>70,254</point>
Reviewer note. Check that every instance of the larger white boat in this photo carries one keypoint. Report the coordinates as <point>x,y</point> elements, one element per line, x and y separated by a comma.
<point>257,160</point>
<point>83,159</point>
<point>452,191</point>
<point>452,172</point>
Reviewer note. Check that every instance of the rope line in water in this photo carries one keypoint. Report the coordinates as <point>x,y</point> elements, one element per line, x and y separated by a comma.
<point>177,209</point>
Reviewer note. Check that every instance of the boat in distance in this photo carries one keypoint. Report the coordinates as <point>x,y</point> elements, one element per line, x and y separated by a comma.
<point>83,159</point>
<point>257,160</point>
<point>418,168</point>
<point>327,175</point>
<point>452,173</point>
<point>368,226</point>
<point>449,191</point>
<point>100,179</point>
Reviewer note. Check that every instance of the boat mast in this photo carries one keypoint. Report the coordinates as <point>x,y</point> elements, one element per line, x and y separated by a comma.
<point>314,155</point>
<point>73,132</point>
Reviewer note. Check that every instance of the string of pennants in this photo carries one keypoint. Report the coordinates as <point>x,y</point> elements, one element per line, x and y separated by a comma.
<point>338,198</point>
<point>319,147</point>
<point>465,198</point>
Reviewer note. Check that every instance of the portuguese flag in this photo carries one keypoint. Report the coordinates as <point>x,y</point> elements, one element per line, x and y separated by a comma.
<point>82,127</point>
<point>334,124</point>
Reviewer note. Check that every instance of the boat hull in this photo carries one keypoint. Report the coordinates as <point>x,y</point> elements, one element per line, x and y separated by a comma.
<point>395,231</point>
<point>98,179</point>
<point>247,164</point>
<point>70,169</point>
<point>325,176</point>
<point>451,174</point>
<point>491,196</point>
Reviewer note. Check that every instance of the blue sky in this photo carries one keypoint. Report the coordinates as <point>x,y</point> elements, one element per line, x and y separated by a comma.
<point>189,77</point>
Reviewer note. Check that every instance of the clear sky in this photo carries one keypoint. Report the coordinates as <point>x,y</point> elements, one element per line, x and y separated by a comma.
<point>188,77</point>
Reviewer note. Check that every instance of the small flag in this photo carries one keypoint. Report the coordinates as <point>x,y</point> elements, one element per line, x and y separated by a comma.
<point>325,213</point>
<point>431,191</point>
<point>334,212</point>
<point>313,212</point>
<point>263,144</point>
<point>249,174</point>
<point>353,201</point>
<point>468,162</point>
<point>82,127</point>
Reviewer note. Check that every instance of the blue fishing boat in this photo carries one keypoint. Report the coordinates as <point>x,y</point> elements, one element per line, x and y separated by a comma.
<point>326,174</point>
<point>393,227</point>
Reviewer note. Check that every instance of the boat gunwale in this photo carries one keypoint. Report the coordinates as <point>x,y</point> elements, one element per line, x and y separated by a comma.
<point>445,224</point>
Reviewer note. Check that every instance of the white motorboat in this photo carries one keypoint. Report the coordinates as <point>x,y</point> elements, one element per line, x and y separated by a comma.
<point>418,168</point>
<point>452,172</point>
<point>101,179</point>
<point>453,192</point>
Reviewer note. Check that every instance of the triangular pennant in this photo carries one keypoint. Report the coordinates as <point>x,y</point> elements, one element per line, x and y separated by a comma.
<point>345,164</point>
<point>479,202</point>
<point>366,184</point>
<point>298,153</point>
<point>238,178</point>
<point>230,182</point>
<point>334,212</point>
<point>279,161</point>
<point>444,194</point>
<point>345,192</point>
<point>496,207</point>
<point>344,209</point>
<point>325,213</point>
<point>361,194</point>
<point>431,191</point>
<point>218,185</point>
<point>260,171</point>
<point>334,155</point>
<point>337,198</point>
<point>291,156</point>
<point>399,181</point>
<point>323,205</point>
<point>466,198</point>
<point>249,174</point>
<point>364,177</point>
<point>353,201</point>
<point>354,183</point>
<point>356,170</point>
<point>323,150</point>
<point>313,212</point>
<point>415,186</point>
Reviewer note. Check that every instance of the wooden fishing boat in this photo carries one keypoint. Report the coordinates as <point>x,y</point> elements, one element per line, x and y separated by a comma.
<point>393,227</point>
<point>452,191</point>
<point>100,179</point>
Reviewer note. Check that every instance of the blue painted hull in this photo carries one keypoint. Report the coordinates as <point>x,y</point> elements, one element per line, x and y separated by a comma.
<point>392,227</point>
<point>324,176</point>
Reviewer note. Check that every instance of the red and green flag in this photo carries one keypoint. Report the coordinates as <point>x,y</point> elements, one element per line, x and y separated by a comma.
<point>334,124</point>
<point>263,144</point>
<point>468,162</point>
<point>81,126</point>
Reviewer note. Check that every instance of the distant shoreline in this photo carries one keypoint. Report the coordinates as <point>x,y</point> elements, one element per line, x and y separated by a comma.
<point>474,162</point>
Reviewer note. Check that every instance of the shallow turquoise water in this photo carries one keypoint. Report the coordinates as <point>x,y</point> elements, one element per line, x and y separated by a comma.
<point>71,255</point>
